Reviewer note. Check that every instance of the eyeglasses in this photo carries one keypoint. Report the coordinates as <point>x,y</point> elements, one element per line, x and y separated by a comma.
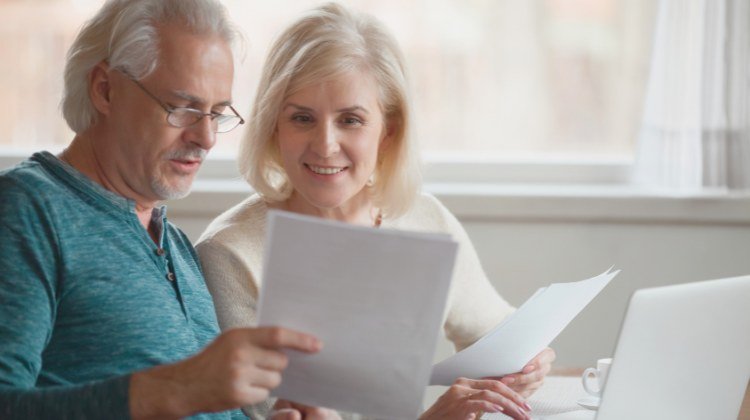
<point>185,117</point>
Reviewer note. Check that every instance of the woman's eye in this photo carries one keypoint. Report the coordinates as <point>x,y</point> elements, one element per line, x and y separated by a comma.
<point>301,118</point>
<point>351,121</point>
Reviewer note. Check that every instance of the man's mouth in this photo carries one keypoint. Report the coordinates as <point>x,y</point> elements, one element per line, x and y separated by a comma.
<point>187,165</point>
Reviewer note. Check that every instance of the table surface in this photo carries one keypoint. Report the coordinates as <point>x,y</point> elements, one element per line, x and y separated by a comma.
<point>744,410</point>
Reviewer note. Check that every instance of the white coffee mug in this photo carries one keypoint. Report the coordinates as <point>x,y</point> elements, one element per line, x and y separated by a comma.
<point>599,374</point>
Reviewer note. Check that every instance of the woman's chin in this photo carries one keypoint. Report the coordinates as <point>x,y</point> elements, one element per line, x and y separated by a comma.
<point>327,199</point>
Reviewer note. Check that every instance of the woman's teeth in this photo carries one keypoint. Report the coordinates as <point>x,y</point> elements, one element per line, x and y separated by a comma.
<point>325,171</point>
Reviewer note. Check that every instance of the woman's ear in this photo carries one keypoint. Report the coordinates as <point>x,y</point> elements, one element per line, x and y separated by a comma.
<point>100,87</point>
<point>392,126</point>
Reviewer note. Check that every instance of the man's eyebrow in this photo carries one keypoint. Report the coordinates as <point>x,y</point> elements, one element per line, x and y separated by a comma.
<point>196,100</point>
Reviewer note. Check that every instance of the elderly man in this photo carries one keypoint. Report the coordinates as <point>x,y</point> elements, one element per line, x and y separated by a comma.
<point>103,309</point>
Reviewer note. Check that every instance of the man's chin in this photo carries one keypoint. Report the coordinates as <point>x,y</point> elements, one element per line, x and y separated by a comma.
<point>166,191</point>
<point>175,195</point>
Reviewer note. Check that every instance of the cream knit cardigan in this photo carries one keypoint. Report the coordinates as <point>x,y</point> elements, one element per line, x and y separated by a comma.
<point>231,253</point>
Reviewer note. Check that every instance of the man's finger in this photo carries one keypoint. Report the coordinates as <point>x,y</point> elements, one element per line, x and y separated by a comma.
<point>276,338</point>
<point>286,414</point>
<point>266,379</point>
<point>271,360</point>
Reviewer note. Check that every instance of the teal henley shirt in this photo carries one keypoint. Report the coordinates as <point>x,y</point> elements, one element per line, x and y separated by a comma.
<point>87,297</point>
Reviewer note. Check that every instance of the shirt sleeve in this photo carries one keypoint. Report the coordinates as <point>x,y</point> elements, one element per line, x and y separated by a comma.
<point>28,294</point>
<point>94,400</point>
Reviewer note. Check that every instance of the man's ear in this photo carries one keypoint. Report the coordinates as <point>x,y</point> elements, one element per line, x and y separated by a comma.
<point>100,87</point>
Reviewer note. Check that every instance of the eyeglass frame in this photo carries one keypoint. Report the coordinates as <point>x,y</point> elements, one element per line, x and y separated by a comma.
<point>171,109</point>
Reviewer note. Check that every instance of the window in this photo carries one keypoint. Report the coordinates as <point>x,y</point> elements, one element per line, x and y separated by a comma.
<point>517,78</point>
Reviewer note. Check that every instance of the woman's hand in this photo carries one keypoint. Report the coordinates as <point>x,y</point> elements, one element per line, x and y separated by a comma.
<point>467,399</point>
<point>532,375</point>
<point>288,410</point>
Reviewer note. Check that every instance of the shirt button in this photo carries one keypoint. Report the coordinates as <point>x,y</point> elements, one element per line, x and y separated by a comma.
<point>170,276</point>
<point>159,251</point>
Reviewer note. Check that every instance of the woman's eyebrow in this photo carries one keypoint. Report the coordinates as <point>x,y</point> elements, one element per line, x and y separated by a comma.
<point>347,109</point>
<point>299,107</point>
<point>354,108</point>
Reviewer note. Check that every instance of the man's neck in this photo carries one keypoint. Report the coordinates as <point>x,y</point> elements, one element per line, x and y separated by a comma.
<point>81,154</point>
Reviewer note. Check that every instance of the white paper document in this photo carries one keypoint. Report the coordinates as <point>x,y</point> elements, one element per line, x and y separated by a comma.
<point>522,335</point>
<point>374,297</point>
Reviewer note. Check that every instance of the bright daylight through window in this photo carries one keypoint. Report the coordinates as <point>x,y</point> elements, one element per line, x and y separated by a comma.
<point>514,78</point>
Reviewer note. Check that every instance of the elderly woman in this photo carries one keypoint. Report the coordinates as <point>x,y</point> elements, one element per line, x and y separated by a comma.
<point>329,136</point>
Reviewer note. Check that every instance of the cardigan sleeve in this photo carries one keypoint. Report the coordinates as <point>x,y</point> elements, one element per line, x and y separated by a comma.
<point>230,281</point>
<point>474,305</point>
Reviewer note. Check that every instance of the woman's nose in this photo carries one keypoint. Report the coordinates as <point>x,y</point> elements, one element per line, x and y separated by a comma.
<point>325,143</point>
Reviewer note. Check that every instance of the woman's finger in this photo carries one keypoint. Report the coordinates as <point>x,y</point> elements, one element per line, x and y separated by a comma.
<point>503,394</point>
<point>529,378</point>
<point>545,357</point>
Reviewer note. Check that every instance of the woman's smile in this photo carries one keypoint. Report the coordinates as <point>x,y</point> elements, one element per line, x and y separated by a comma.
<point>326,170</point>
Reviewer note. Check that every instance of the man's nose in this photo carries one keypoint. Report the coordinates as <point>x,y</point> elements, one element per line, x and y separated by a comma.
<point>203,132</point>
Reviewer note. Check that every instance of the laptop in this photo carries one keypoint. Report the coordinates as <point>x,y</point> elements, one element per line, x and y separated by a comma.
<point>683,353</point>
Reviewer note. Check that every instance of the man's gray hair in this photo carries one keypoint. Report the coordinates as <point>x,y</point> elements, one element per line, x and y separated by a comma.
<point>124,34</point>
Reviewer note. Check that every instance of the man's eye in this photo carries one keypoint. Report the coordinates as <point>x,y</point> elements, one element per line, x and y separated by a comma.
<point>183,112</point>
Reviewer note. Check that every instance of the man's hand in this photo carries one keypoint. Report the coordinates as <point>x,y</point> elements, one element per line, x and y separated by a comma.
<point>532,375</point>
<point>467,399</point>
<point>238,368</point>
<point>288,410</point>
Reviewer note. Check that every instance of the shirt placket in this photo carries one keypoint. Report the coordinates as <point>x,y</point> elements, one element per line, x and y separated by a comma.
<point>165,258</point>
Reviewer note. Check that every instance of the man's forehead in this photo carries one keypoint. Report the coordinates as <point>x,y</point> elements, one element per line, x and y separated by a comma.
<point>193,99</point>
<point>197,69</point>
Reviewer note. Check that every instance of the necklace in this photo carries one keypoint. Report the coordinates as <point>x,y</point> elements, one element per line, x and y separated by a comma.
<point>377,217</point>
<point>378,220</point>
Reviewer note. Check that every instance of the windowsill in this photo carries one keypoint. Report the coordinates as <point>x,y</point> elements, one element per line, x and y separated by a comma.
<point>608,199</point>
<point>590,203</point>
<point>523,203</point>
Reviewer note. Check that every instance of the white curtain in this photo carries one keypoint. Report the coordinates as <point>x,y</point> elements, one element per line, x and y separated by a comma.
<point>695,133</point>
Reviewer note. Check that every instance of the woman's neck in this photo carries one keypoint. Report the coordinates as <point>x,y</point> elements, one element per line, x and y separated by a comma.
<point>358,210</point>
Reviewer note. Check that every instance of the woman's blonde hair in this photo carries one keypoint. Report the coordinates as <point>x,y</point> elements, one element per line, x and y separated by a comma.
<point>124,34</point>
<point>326,42</point>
